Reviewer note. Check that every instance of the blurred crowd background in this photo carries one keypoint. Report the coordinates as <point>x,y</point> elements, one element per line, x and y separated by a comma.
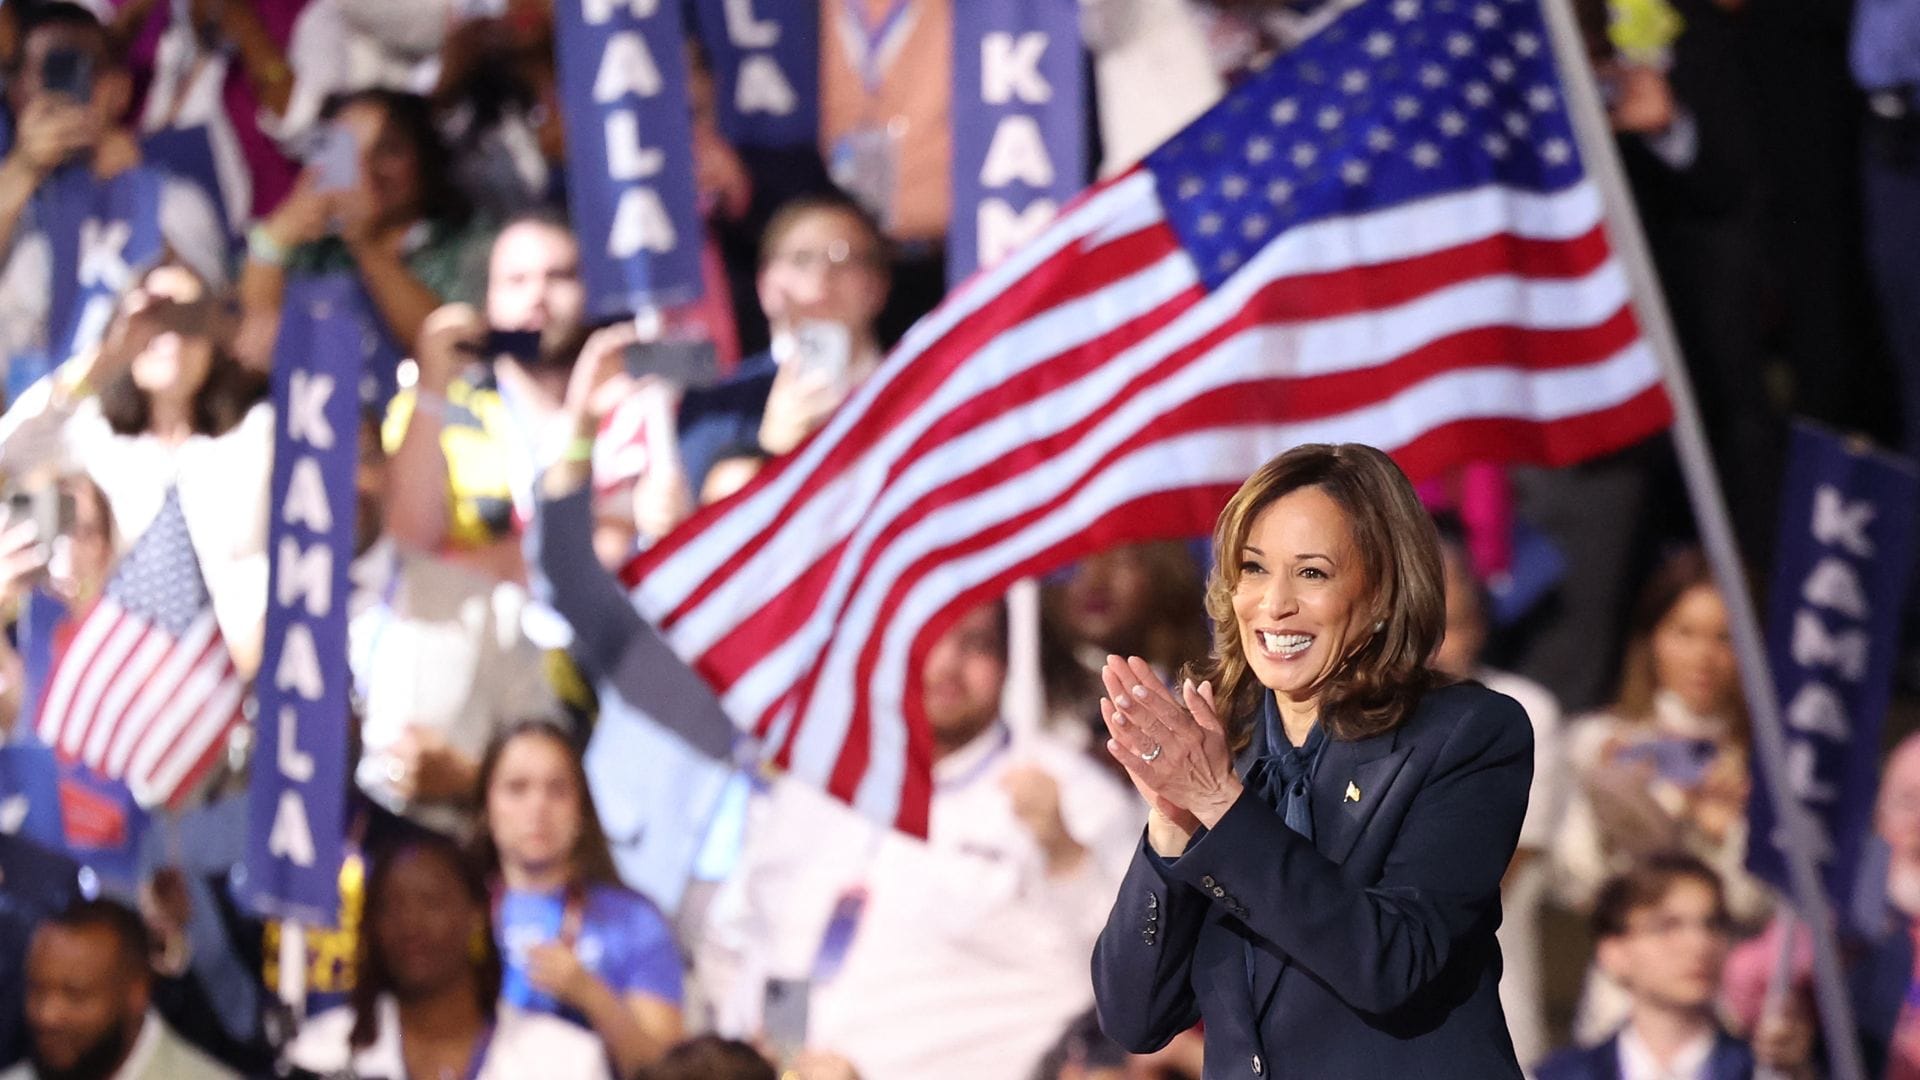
<point>1773,150</point>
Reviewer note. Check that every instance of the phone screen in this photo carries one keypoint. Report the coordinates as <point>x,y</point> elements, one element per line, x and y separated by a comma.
<point>823,351</point>
<point>68,72</point>
<point>783,1017</point>
<point>335,160</point>
<point>522,345</point>
<point>682,363</point>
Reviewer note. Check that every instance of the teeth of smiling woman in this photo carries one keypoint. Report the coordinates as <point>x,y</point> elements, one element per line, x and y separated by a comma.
<point>1285,644</point>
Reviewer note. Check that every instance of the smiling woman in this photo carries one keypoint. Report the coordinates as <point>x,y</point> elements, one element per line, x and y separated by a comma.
<point>1320,877</point>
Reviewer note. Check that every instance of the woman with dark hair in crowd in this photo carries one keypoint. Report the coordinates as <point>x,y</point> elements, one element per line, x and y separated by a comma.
<point>1138,600</point>
<point>404,227</point>
<point>1329,898</point>
<point>577,943</point>
<point>426,1002</point>
<point>1666,767</point>
<point>161,410</point>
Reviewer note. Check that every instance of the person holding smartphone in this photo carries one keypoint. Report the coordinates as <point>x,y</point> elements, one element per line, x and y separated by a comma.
<point>68,89</point>
<point>823,281</point>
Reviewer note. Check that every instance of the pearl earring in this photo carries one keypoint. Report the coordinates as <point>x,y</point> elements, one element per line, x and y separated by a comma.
<point>1379,626</point>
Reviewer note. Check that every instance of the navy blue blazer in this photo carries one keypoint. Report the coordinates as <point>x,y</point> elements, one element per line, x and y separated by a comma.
<point>1373,946</point>
<point>1730,1060</point>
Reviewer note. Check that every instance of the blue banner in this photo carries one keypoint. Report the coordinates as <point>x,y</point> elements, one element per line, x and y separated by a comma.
<point>623,85</point>
<point>104,825</point>
<point>765,57</point>
<point>296,810</point>
<point>1019,125</point>
<point>1833,626</point>
<point>102,233</point>
<point>188,154</point>
<point>30,795</point>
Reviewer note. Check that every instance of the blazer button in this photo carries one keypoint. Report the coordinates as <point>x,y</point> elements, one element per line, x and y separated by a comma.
<point>1218,891</point>
<point>1259,1067</point>
<point>1153,901</point>
<point>1153,916</point>
<point>1206,882</point>
<point>1147,935</point>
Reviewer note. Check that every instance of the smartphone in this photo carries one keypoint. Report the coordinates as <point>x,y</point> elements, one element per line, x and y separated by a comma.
<point>335,159</point>
<point>48,506</point>
<point>522,345</point>
<point>1679,761</point>
<point>69,72</point>
<point>823,351</point>
<point>687,363</point>
<point>783,1018</point>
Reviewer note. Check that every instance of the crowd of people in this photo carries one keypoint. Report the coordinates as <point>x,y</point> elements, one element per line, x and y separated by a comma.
<point>514,464</point>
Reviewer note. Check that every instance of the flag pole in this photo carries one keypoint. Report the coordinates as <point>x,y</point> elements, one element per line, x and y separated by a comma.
<point>1716,529</point>
<point>1023,698</point>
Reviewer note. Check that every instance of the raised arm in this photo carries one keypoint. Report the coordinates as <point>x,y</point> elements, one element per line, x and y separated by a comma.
<point>611,638</point>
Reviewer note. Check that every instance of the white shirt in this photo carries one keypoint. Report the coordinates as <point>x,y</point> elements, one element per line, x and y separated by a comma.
<point>224,483</point>
<point>437,646</point>
<point>1637,1061</point>
<point>969,959</point>
<point>524,1045</point>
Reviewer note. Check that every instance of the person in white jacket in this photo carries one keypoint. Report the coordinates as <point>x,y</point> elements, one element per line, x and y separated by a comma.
<point>964,955</point>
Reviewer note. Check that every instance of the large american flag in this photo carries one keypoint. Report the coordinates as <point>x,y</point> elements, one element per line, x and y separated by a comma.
<point>1384,236</point>
<point>146,693</point>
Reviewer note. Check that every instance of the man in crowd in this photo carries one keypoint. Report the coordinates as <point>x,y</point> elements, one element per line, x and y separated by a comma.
<point>961,956</point>
<point>823,281</point>
<point>89,993</point>
<point>1661,932</point>
<point>72,157</point>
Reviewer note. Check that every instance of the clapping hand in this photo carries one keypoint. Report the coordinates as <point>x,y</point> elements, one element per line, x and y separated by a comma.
<point>1174,749</point>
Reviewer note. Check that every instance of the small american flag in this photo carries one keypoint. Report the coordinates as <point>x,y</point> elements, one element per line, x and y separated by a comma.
<point>1385,236</point>
<point>146,693</point>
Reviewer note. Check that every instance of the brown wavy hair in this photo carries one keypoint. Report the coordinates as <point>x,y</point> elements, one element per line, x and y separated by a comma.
<point>1679,574</point>
<point>1376,687</point>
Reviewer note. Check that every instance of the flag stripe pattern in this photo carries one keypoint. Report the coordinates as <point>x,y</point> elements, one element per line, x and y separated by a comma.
<point>147,694</point>
<point>1385,236</point>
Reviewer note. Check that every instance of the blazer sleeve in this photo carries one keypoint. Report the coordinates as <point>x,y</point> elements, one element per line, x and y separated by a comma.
<point>1143,959</point>
<point>1378,946</point>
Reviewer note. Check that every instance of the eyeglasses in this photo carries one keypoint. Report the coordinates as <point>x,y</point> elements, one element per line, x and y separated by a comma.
<point>838,255</point>
<point>1667,926</point>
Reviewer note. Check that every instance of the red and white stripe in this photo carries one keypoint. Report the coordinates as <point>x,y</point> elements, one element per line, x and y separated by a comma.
<point>1089,391</point>
<point>136,705</point>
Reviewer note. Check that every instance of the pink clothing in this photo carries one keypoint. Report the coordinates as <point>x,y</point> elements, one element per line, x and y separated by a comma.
<point>272,171</point>
<point>1478,494</point>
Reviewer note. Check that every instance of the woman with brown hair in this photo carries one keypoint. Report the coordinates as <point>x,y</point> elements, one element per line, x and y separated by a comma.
<point>1665,767</point>
<point>1140,599</point>
<point>576,943</point>
<point>161,409</point>
<point>1320,876</point>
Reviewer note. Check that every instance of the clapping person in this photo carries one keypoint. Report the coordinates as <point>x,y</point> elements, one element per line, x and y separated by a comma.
<point>1328,903</point>
<point>426,1002</point>
<point>576,943</point>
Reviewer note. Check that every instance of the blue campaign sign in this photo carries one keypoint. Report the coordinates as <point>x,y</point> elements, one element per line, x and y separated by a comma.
<point>1019,125</point>
<point>100,233</point>
<point>297,796</point>
<point>30,794</point>
<point>1840,575</point>
<point>623,83</point>
<point>765,56</point>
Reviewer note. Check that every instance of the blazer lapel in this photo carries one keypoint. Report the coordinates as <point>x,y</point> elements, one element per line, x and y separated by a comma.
<point>1367,764</point>
<point>1348,786</point>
